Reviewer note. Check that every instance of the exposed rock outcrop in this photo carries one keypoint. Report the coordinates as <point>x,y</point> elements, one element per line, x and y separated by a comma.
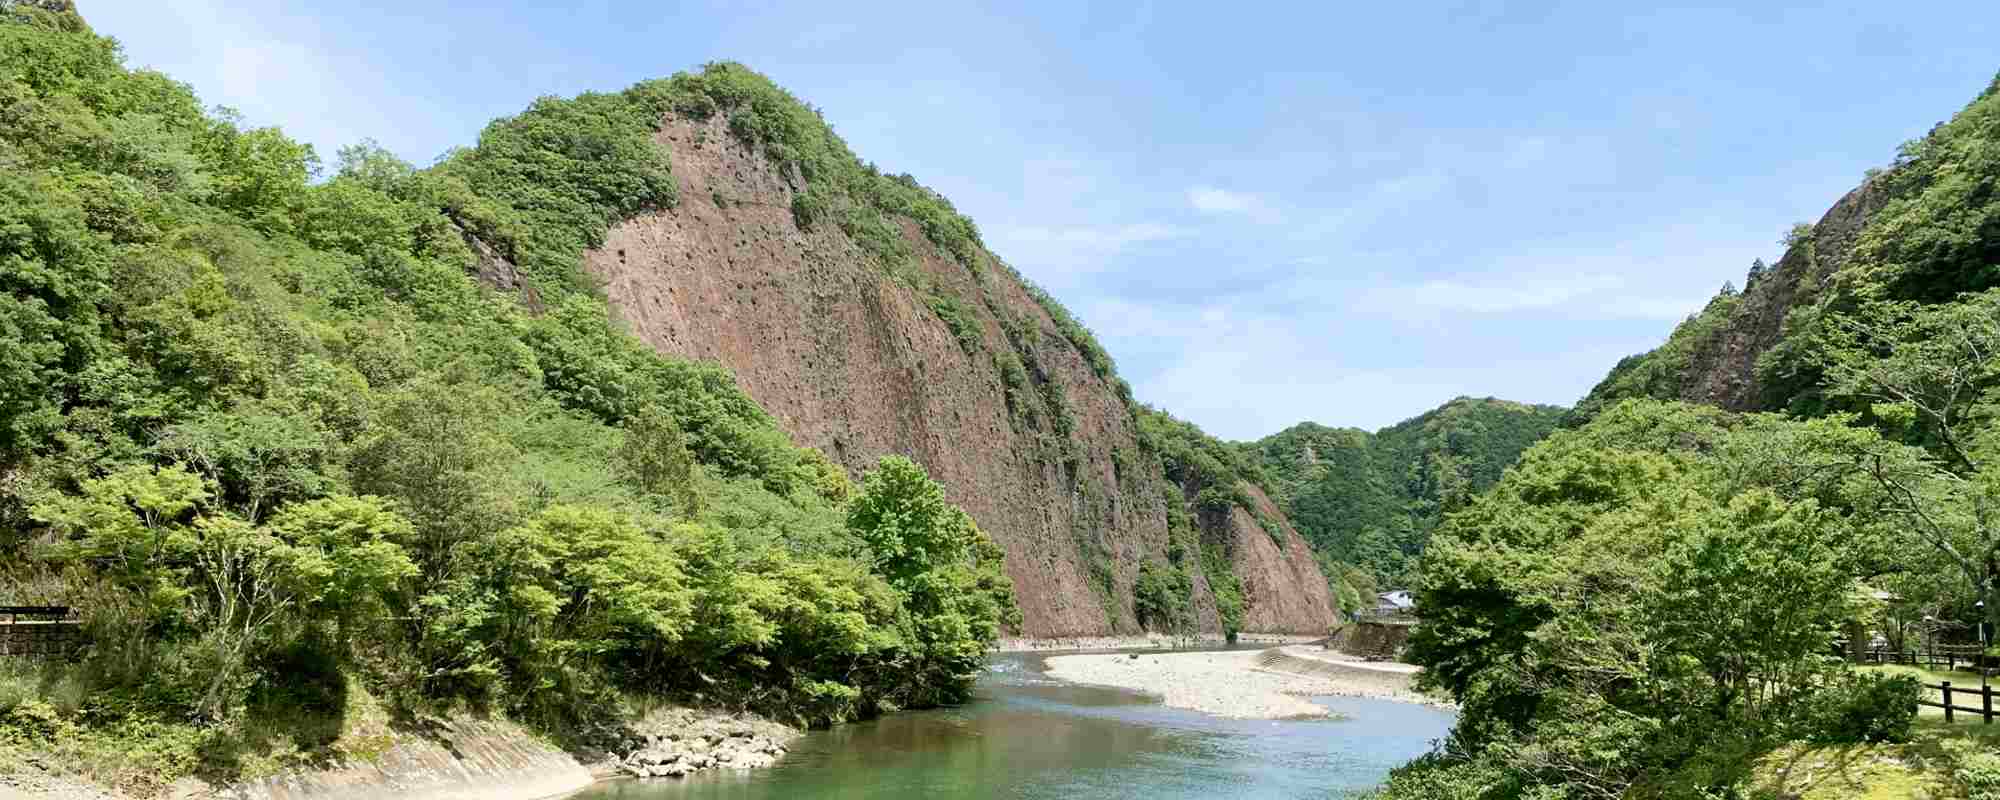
<point>1723,371</point>
<point>858,363</point>
<point>677,743</point>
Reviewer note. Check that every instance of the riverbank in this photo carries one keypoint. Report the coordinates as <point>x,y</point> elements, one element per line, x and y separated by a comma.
<point>1151,641</point>
<point>458,758</point>
<point>1276,683</point>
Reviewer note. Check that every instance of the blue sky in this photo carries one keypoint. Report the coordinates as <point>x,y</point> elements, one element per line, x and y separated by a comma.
<point>1341,212</point>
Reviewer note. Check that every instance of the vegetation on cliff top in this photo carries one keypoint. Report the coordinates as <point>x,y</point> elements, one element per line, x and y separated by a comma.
<point>281,450</point>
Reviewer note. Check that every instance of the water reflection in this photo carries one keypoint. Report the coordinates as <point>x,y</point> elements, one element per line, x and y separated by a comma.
<point>1028,736</point>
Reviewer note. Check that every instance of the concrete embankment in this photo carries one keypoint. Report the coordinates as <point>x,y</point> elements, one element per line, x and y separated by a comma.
<point>462,760</point>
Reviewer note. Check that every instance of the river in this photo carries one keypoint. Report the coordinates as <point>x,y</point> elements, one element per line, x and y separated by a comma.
<point>1028,736</point>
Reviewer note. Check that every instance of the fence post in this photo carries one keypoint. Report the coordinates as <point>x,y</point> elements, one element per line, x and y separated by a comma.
<point>1986,704</point>
<point>1946,686</point>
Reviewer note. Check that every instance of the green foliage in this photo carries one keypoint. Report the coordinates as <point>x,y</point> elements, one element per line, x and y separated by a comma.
<point>947,570</point>
<point>546,184</point>
<point>955,317</point>
<point>1860,707</point>
<point>1195,460</point>
<point>1663,373</point>
<point>902,516</point>
<point>275,441</point>
<point>1974,770</point>
<point>1939,235</point>
<point>1226,587</point>
<point>1640,602</point>
<point>1935,235</point>
<point>1162,598</point>
<point>655,459</point>
<point>1372,499</point>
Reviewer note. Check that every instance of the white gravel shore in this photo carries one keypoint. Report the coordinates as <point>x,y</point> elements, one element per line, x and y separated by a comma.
<point>1246,684</point>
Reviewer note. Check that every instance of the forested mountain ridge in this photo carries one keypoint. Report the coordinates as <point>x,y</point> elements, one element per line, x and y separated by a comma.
<point>865,313</point>
<point>1370,500</point>
<point>1921,230</point>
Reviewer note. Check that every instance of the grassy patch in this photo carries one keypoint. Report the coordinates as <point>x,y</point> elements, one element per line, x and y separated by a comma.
<point>1844,772</point>
<point>1934,764</point>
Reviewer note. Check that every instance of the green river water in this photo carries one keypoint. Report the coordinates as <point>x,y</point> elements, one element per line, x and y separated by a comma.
<point>1029,736</point>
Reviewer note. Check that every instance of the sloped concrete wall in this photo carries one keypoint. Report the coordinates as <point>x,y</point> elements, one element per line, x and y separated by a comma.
<point>464,760</point>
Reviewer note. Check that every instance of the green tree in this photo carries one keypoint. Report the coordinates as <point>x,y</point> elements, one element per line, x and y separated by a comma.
<point>655,458</point>
<point>1930,372</point>
<point>1639,603</point>
<point>903,517</point>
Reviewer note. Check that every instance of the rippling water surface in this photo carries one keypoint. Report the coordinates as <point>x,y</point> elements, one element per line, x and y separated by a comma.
<point>1030,736</point>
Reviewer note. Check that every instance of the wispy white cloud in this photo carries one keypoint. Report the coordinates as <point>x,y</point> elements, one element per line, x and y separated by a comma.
<point>1059,255</point>
<point>1459,296</point>
<point>1104,239</point>
<point>1219,201</point>
<point>1582,296</point>
<point>1226,203</point>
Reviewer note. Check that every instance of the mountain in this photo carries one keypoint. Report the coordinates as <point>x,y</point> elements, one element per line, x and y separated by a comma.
<point>863,312</point>
<point>1921,231</point>
<point>1371,499</point>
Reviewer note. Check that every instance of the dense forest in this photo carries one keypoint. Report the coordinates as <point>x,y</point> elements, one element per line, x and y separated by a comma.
<point>265,430</point>
<point>1653,601</point>
<point>1368,502</point>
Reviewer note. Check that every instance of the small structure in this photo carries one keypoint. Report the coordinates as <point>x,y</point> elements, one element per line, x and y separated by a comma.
<point>1395,603</point>
<point>40,632</point>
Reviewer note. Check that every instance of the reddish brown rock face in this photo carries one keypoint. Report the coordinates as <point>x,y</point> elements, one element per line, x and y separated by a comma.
<point>855,362</point>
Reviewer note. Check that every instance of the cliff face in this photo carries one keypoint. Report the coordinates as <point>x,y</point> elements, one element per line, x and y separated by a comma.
<point>1723,355</point>
<point>860,364</point>
<point>1723,371</point>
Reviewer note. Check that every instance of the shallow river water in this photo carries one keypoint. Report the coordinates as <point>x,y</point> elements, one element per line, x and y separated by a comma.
<point>1029,736</point>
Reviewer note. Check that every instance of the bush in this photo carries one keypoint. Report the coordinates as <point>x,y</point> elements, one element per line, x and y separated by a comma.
<point>1860,707</point>
<point>1160,598</point>
<point>1975,770</point>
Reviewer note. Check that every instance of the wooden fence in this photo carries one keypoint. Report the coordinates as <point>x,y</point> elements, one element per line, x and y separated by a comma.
<point>1950,706</point>
<point>1946,657</point>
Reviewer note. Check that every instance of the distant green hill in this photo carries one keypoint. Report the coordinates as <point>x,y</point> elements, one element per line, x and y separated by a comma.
<point>1371,499</point>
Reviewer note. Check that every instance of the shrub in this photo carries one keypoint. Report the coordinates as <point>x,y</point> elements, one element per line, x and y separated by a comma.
<point>1974,769</point>
<point>1859,707</point>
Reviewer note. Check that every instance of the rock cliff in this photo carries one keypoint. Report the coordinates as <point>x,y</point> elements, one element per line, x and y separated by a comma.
<point>957,363</point>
